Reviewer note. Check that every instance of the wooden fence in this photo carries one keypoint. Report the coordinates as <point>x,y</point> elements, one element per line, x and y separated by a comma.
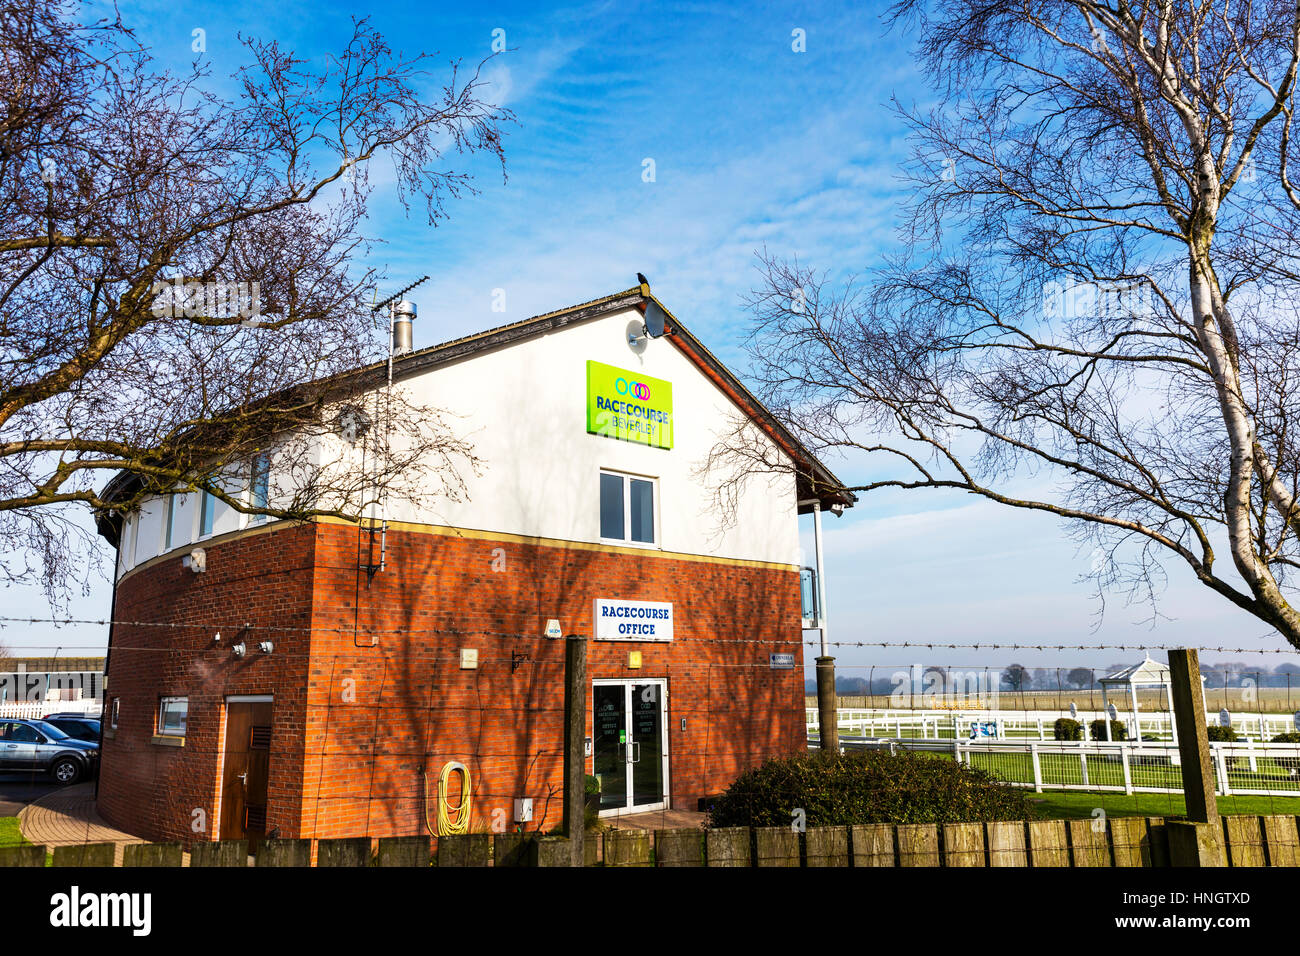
<point>1117,841</point>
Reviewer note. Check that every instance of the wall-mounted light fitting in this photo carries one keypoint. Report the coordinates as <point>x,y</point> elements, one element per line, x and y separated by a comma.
<point>239,650</point>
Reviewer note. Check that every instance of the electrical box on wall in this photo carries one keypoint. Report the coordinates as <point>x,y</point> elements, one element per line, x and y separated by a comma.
<point>524,810</point>
<point>468,658</point>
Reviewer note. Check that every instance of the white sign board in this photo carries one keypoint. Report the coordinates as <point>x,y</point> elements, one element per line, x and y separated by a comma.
<point>553,630</point>
<point>780,662</point>
<point>1225,718</point>
<point>633,620</point>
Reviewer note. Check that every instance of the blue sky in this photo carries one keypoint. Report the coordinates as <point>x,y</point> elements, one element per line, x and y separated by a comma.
<point>753,145</point>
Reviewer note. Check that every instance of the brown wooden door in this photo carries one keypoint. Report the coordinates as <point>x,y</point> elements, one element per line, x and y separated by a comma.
<point>247,767</point>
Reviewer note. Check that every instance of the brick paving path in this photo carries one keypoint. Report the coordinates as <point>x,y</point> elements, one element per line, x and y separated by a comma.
<point>68,817</point>
<point>658,820</point>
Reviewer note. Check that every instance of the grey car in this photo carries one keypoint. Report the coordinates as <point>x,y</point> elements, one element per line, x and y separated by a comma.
<point>34,745</point>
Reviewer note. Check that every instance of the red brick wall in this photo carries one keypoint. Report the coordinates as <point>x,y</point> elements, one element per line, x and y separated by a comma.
<point>264,580</point>
<point>358,726</point>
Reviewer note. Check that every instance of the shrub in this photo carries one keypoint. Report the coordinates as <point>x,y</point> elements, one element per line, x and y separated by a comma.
<point>1067,729</point>
<point>1290,763</point>
<point>1097,730</point>
<point>1225,735</point>
<point>866,787</point>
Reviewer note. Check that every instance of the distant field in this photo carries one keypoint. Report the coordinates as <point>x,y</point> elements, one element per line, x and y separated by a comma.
<point>1268,700</point>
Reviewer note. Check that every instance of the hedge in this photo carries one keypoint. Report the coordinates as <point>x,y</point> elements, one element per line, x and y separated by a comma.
<point>865,787</point>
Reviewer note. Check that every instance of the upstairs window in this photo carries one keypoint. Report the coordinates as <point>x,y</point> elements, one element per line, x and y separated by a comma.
<point>259,487</point>
<point>207,513</point>
<point>171,517</point>
<point>627,508</point>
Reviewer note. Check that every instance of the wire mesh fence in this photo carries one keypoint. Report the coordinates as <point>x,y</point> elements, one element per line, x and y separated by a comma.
<point>357,741</point>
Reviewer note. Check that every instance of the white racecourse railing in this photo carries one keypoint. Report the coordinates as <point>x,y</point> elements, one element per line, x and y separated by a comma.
<point>36,709</point>
<point>1248,769</point>
<point>1034,724</point>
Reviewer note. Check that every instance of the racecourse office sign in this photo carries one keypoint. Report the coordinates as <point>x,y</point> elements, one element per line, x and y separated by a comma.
<point>629,406</point>
<point>633,620</point>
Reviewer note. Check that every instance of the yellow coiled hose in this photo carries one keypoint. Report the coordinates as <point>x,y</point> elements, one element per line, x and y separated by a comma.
<point>452,820</point>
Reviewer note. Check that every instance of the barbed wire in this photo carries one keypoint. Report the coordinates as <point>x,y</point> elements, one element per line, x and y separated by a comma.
<point>517,635</point>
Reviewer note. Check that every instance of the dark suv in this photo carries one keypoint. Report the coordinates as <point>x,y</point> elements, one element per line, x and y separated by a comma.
<point>34,745</point>
<point>78,727</point>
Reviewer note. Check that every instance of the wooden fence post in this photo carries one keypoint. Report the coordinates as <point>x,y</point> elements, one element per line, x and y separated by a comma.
<point>575,761</point>
<point>1196,841</point>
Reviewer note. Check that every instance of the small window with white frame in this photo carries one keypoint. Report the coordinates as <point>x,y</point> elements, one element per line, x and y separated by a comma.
<point>259,487</point>
<point>627,509</point>
<point>113,712</point>
<point>172,714</point>
<point>169,529</point>
<point>207,513</point>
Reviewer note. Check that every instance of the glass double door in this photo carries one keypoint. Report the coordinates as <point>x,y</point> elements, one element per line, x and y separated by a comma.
<point>630,745</point>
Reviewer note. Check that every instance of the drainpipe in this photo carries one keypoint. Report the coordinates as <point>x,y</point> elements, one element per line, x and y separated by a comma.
<point>827,718</point>
<point>104,713</point>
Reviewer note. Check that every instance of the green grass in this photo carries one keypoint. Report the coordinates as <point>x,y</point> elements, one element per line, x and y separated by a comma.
<point>1066,769</point>
<point>1065,805</point>
<point>1058,805</point>
<point>9,833</point>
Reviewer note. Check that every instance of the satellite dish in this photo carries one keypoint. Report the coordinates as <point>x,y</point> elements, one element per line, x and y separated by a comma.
<point>654,319</point>
<point>352,423</point>
<point>637,340</point>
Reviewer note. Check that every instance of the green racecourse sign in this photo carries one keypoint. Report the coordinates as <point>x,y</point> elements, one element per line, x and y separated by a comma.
<point>629,406</point>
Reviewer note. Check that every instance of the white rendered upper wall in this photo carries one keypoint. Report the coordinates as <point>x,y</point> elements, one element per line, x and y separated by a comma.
<point>523,408</point>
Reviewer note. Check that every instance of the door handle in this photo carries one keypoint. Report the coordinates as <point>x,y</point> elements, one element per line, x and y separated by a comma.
<point>243,777</point>
<point>637,745</point>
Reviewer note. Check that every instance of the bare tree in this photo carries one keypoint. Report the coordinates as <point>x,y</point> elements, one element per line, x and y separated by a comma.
<point>1093,309</point>
<point>179,281</point>
<point>1016,677</point>
<point>1080,677</point>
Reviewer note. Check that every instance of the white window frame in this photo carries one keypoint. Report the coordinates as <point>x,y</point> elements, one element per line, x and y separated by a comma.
<point>249,520</point>
<point>207,502</point>
<point>627,541</point>
<point>162,709</point>
<point>169,525</point>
